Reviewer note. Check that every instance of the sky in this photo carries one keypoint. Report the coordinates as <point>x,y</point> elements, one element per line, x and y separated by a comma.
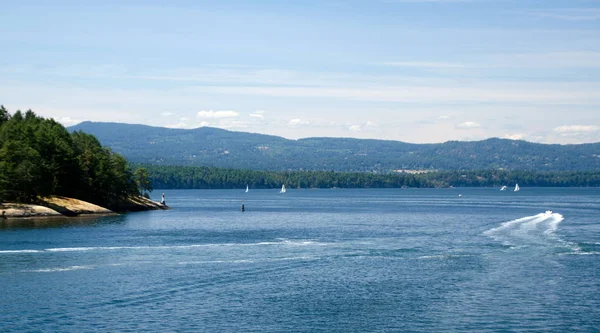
<point>419,71</point>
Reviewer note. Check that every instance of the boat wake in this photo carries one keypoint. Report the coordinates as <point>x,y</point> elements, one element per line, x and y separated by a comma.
<point>538,229</point>
<point>276,242</point>
<point>58,269</point>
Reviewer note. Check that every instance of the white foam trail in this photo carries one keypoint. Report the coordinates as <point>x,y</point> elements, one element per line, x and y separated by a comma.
<point>293,258</point>
<point>302,243</point>
<point>237,261</point>
<point>19,251</point>
<point>59,269</point>
<point>530,229</point>
<point>249,244</point>
<point>73,249</point>
<point>233,261</point>
<point>284,242</point>
<point>553,224</point>
<point>577,253</point>
<point>445,256</point>
<point>532,224</point>
<point>509,224</point>
<point>98,248</point>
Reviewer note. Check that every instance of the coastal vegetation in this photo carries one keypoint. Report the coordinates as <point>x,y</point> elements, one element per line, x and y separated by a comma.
<point>40,158</point>
<point>182,177</point>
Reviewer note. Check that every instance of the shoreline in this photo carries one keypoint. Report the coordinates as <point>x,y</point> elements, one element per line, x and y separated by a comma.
<point>60,207</point>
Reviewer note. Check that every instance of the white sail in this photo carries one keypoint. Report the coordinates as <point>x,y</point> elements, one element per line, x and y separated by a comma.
<point>517,187</point>
<point>503,188</point>
<point>246,188</point>
<point>282,189</point>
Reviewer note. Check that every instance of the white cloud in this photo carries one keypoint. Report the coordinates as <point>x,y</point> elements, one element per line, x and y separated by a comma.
<point>203,123</point>
<point>183,123</point>
<point>178,125</point>
<point>363,126</point>
<point>468,125</point>
<point>67,121</point>
<point>258,114</point>
<point>443,117</point>
<point>515,136</point>
<point>230,124</point>
<point>216,114</point>
<point>166,114</point>
<point>575,129</point>
<point>298,122</point>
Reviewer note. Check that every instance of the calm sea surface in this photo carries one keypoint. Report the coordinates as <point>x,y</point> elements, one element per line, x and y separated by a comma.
<point>394,260</point>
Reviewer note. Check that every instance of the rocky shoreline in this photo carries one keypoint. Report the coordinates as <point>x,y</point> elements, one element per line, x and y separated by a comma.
<point>57,206</point>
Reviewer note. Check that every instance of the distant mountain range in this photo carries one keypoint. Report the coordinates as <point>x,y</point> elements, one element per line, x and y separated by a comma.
<point>207,146</point>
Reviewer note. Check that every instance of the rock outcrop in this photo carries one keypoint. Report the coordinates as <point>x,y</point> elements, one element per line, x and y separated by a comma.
<point>55,206</point>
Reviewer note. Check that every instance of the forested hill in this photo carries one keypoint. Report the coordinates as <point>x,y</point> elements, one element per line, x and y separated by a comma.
<point>221,148</point>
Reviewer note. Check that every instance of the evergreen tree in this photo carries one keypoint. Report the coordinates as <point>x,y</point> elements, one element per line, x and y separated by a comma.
<point>142,179</point>
<point>4,115</point>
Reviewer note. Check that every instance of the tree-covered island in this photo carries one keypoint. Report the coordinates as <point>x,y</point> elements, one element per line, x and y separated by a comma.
<point>40,159</point>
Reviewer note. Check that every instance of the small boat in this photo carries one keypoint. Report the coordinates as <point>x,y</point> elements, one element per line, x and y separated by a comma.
<point>517,188</point>
<point>548,212</point>
<point>503,188</point>
<point>246,188</point>
<point>282,189</point>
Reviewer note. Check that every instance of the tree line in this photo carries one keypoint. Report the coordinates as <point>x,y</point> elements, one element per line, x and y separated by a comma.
<point>39,157</point>
<point>184,177</point>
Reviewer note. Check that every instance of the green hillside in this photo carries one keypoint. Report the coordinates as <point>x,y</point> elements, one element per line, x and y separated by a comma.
<point>226,149</point>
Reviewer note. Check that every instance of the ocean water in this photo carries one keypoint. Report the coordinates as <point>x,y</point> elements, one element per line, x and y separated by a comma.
<point>340,260</point>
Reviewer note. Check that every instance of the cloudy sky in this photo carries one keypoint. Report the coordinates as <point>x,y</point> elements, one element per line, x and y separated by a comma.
<point>409,70</point>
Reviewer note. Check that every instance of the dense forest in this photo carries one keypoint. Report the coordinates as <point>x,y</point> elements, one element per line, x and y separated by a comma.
<point>238,150</point>
<point>181,177</point>
<point>39,157</point>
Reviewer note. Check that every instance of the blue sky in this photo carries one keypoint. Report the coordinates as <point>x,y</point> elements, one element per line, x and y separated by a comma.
<point>409,70</point>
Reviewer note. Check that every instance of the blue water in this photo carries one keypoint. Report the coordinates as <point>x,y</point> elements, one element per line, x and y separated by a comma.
<point>394,260</point>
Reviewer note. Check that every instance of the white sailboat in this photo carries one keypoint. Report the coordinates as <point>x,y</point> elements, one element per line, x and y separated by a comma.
<point>246,188</point>
<point>517,187</point>
<point>503,188</point>
<point>282,189</point>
